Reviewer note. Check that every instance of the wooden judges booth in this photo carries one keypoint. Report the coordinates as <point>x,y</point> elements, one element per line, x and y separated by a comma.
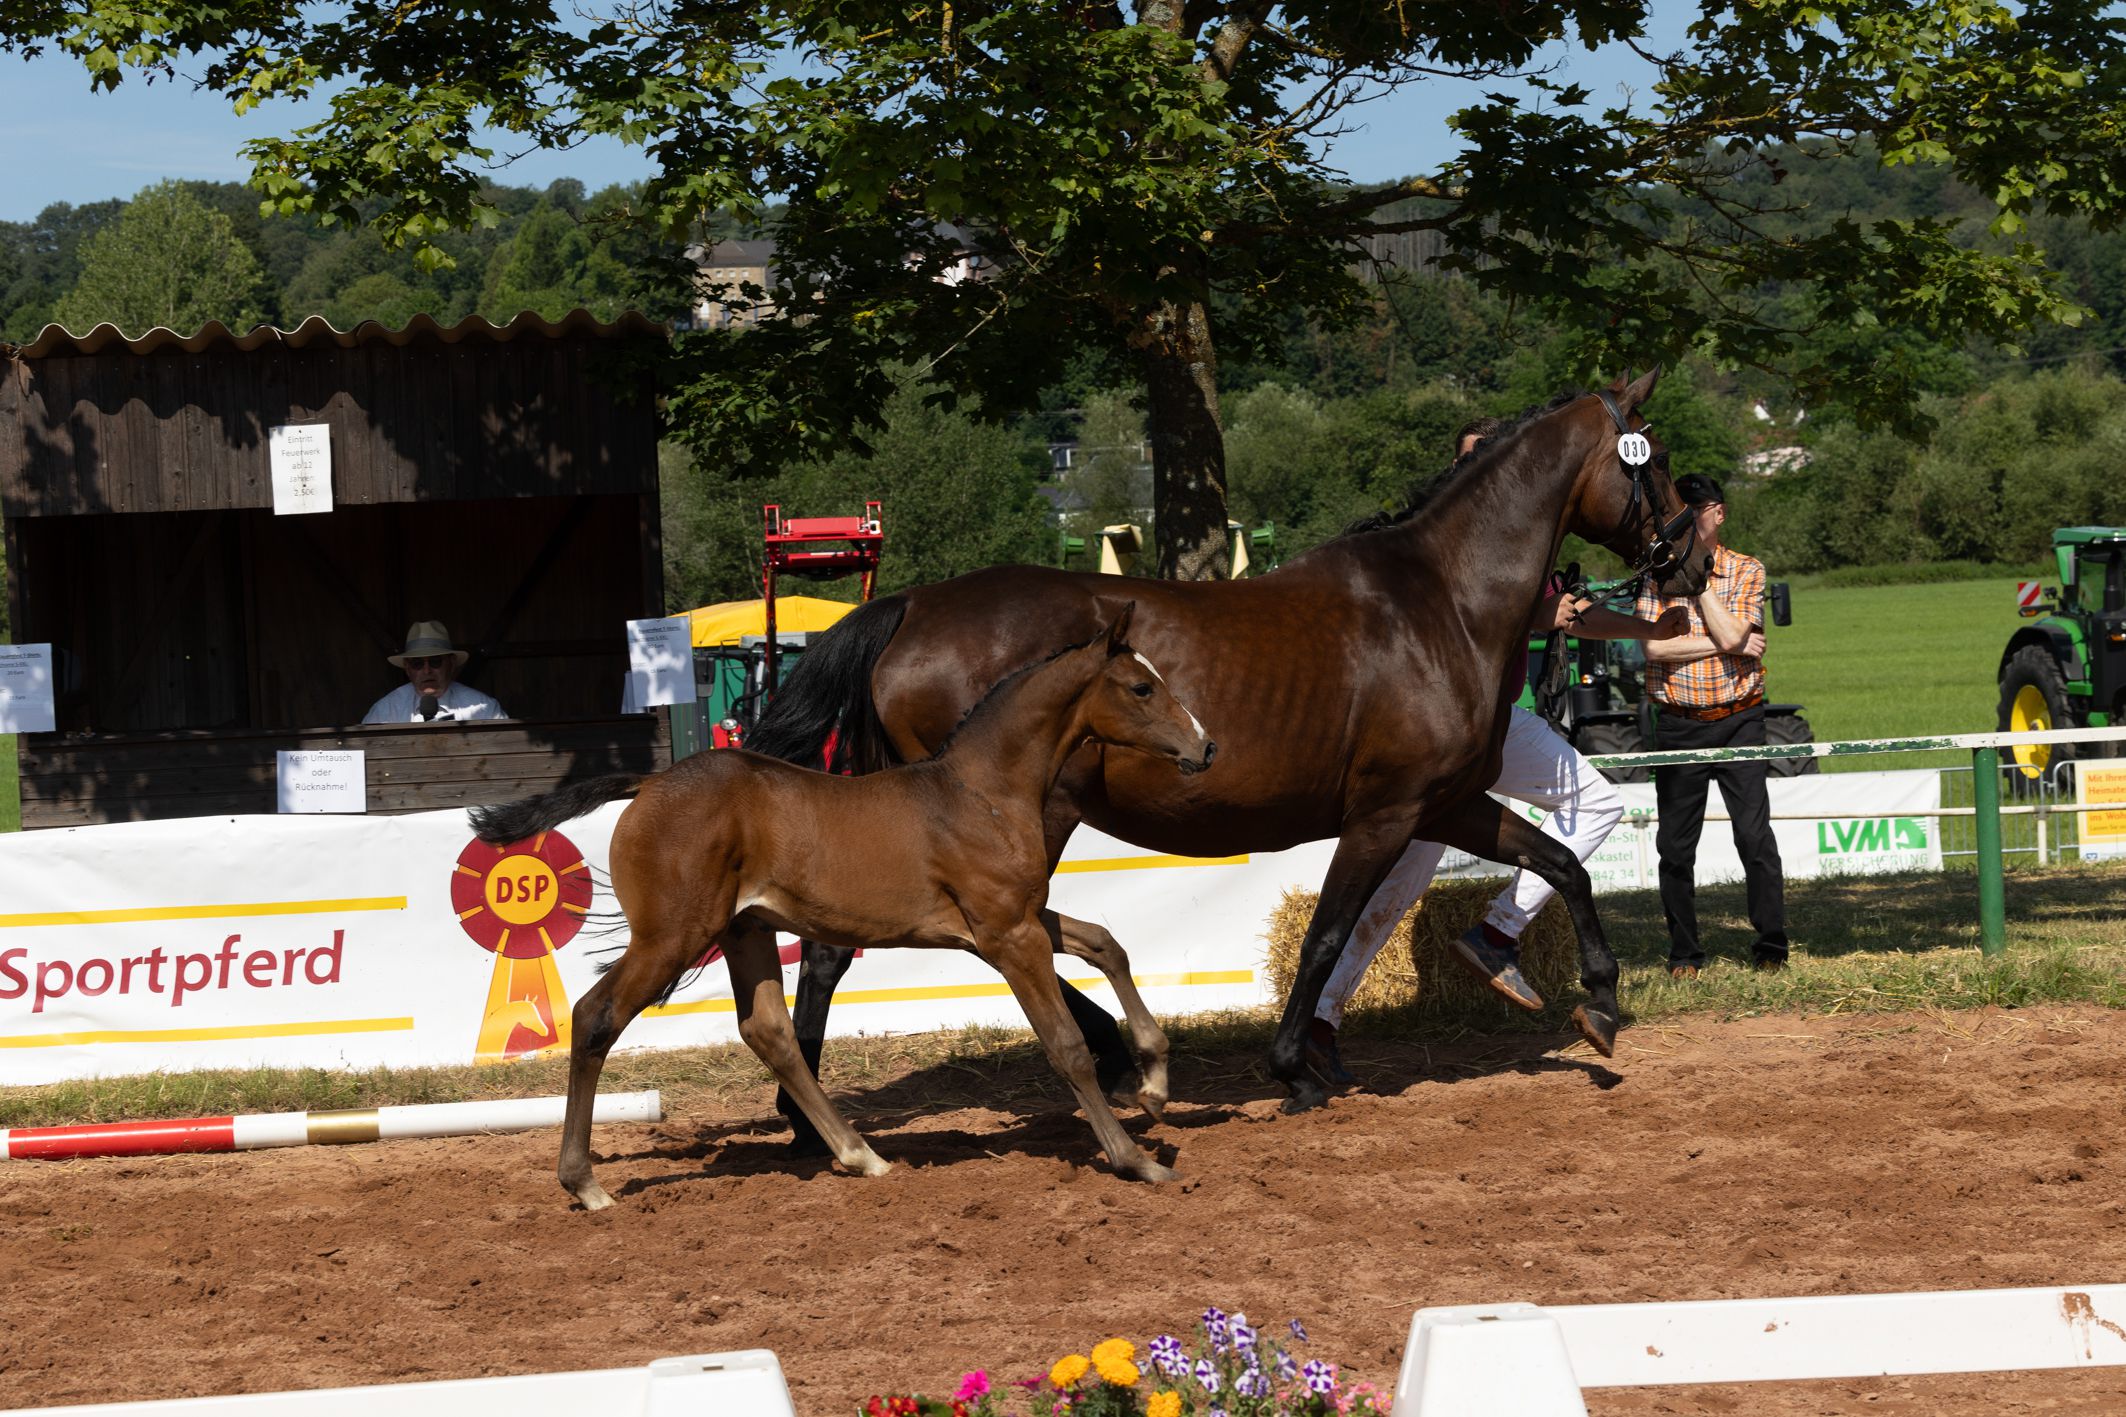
<point>502,480</point>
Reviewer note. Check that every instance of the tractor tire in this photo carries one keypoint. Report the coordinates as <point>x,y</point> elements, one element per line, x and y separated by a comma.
<point>1595,739</point>
<point>1781,729</point>
<point>2034,698</point>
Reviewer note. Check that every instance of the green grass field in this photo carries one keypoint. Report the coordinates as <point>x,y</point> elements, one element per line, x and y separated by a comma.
<point>1884,661</point>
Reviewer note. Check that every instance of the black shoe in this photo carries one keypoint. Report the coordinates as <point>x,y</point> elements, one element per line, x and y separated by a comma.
<point>1767,962</point>
<point>1321,1055</point>
<point>1498,965</point>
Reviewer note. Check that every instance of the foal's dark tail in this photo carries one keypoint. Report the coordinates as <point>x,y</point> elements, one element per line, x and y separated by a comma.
<point>514,821</point>
<point>828,697</point>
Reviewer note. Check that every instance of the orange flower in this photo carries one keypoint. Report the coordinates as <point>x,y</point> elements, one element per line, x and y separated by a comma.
<point>1164,1404</point>
<point>1068,1370</point>
<point>1115,1350</point>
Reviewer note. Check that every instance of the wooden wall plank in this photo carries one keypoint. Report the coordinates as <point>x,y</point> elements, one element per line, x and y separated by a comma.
<point>77,783</point>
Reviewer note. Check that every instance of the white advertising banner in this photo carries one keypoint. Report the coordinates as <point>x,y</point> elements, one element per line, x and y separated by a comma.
<point>354,942</point>
<point>1841,842</point>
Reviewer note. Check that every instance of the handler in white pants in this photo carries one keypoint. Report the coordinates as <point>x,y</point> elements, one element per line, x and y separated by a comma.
<point>1539,767</point>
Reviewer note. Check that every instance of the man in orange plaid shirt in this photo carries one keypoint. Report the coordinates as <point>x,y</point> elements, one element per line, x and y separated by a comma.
<point>1708,687</point>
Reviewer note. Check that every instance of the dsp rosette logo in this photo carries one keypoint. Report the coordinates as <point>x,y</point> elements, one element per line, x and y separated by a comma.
<point>522,902</point>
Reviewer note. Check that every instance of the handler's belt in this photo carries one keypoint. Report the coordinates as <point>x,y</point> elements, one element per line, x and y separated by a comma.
<point>1710,715</point>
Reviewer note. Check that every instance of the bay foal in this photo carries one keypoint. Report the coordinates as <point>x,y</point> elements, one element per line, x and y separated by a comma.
<point>727,848</point>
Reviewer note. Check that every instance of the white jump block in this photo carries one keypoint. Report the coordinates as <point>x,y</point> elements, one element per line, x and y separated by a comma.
<point>1487,1360</point>
<point>748,1381</point>
<point>1506,1357</point>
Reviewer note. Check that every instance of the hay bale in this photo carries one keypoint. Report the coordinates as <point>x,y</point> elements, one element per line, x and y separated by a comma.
<point>1413,968</point>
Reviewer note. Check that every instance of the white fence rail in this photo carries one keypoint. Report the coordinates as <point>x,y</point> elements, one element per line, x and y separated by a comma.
<point>1518,1360</point>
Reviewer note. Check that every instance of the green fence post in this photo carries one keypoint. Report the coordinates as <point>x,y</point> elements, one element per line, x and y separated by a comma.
<point>1986,798</point>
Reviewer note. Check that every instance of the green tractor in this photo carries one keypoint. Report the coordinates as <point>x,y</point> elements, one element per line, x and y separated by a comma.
<point>1595,693</point>
<point>2069,669</point>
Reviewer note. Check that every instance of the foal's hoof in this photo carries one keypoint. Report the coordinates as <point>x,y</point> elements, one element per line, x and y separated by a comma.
<point>1147,1169</point>
<point>1153,1104</point>
<point>1598,1028</point>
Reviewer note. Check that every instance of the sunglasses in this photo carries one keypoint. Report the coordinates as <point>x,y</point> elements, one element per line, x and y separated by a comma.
<point>432,661</point>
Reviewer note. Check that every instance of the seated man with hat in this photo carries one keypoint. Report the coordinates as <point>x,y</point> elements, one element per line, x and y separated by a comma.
<point>431,693</point>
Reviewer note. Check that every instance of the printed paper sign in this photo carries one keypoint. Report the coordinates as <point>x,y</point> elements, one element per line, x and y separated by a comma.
<point>302,468</point>
<point>318,780</point>
<point>26,689</point>
<point>2103,833</point>
<point>660,656</point>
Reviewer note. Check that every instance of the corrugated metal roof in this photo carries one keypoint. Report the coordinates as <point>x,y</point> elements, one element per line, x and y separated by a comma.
<point>317,330</point>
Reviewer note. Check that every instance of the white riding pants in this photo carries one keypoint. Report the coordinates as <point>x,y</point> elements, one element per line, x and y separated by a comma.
<point>1539,767</point>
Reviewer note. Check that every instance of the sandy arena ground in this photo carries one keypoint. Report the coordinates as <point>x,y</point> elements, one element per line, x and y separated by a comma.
<point>1759,1157</point>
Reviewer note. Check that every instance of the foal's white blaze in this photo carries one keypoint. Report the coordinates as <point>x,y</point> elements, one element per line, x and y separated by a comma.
<point>1192,720</point>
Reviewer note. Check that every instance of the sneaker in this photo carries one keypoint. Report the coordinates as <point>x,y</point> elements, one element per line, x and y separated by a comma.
<point>1683,971</point>
<point>1321,1055</point>
<point>1495,957</point>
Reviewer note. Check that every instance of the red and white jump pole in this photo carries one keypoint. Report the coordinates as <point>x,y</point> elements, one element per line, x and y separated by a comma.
<point>264,1129</point>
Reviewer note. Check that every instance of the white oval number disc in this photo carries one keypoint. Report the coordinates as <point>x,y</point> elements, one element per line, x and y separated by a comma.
<point>1635,450</point>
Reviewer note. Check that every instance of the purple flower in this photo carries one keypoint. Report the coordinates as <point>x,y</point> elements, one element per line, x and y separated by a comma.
<point>1286,1368</point>
<point>1214,1327</point>
<point>1243,1335</point>
<point>1217,1412</point>
<point>1166,1352</point>
<point>1252,1383</point>
<point>1299,1331</point>
<point>1319,1376</point>
<point>1207,1375</point>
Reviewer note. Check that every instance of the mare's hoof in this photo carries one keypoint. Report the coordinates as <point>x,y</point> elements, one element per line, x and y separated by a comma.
<point>1153,1105</point>
<point>869,1164</point>
<point>1598,1028</point>
<point>1497,965</point>
<point>1149,1170</point>
<point>1307,1094</point>
<point>590,1195</point>
<point>814,1145</point>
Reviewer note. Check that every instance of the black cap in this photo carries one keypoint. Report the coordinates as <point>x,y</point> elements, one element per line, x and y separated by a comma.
<point>1698,490</point>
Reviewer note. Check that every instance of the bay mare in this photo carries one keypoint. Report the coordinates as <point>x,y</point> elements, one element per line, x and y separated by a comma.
<point>727,848</point>
<point>1358,692</point>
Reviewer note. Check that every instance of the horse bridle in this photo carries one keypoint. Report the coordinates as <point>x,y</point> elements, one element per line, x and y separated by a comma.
<point>1663,557</point>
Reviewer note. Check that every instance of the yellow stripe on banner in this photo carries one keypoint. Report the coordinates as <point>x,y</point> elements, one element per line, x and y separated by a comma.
<point>1145,863</point>
<point>209,1035</point>
<point>202,912</point>
<point>964,991</point>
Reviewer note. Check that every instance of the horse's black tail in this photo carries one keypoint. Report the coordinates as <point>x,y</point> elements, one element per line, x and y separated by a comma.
<point>827,697</point>
<point>514,821</point>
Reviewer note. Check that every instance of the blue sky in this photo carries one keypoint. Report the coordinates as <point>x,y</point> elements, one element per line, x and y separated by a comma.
<point>64,143</point>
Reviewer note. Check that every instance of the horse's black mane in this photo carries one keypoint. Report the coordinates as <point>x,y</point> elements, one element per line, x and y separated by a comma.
<point>1004,683</point>
<point>1426,490</point>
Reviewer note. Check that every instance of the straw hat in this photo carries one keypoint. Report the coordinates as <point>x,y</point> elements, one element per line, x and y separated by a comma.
<point>427,637</point>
